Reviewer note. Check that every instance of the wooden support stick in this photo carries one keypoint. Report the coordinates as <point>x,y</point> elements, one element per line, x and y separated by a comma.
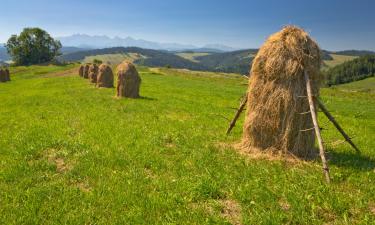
<point>336,124</point>
<point>316,126</point>
<point>238,113</point>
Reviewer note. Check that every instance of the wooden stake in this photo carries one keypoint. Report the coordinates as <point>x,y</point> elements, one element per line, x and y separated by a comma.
<point>336,124</point>
<point>316,126</point>
<point>237,115</point>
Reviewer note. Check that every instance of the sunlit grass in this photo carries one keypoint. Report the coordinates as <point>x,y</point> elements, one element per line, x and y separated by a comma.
<point>73,154</point>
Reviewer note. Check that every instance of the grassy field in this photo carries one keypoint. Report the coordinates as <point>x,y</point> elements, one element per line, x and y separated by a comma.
<point>74,154</point>
<point>337,60</point>
<point>114,59</point>
<point>191,55</point>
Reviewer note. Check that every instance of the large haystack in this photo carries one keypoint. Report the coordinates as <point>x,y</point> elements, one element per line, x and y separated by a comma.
<point>278,117</point>
<point>86,71</point>
<point>2,75</point>
<point>105,76</point>
<point>93,73</point>
<point>128,80</point>
<point>80,70</point>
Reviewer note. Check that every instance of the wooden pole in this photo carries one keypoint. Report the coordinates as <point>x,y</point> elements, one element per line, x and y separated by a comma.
<point>237,115</point>
<point>336,124</point>
<point>316,127</point>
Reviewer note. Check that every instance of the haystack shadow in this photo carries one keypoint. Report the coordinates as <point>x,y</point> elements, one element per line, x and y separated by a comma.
<point>351,160</point>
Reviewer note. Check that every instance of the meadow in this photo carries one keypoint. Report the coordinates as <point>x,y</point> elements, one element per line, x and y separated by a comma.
<point>73,154</point>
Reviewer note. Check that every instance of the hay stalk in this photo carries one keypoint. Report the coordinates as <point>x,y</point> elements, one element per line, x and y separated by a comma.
<point>316,127</point>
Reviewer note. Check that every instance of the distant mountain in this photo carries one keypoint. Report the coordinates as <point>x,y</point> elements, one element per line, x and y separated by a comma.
<point>102,41</point>
<point>220,47</point>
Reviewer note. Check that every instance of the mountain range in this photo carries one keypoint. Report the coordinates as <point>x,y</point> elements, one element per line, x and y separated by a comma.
<point>102,41</point>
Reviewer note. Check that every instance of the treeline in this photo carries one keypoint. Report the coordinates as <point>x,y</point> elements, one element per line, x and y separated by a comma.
<point>356,69</point>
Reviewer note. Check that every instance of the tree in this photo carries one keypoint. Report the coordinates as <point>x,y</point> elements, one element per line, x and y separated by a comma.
<point>97,61</point>
<point>32,46</point>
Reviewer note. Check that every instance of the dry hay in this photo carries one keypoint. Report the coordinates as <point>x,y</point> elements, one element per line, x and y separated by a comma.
<point>128,80</point>
<point>86,69</point>
<point>105,76</point>
<point>277,104</point>
<point>93,73</point>
<point>80,70</point>
<point>3,76</point>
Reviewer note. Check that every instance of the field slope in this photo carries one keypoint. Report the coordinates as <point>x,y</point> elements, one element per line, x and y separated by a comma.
<point>73,154</point>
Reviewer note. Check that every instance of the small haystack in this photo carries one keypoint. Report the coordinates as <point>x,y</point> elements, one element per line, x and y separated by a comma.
<point>7,74</point>
<point>105,76</point>
<point>80,70</point>
<point>93,73</point>
<point>278,115</point>
<point>2,75</point>
<point>128,80</point>
<point>86,69</point>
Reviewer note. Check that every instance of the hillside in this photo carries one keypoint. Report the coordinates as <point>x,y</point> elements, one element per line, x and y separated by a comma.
<point>147,57</point>
<point>74,154</point>
<point>356,69</point>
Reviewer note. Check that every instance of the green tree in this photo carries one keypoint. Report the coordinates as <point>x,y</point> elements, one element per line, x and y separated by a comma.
<point>97,61</point>
<point>32,46</point>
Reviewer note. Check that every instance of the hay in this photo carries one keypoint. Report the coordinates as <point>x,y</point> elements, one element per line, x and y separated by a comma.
<point>86,69</point>
<point>276,95</point>
<point>105,76</point>
<point>128,80</point>
<point>2,75</point>
<point>93,73</point>
<point>80,70</point>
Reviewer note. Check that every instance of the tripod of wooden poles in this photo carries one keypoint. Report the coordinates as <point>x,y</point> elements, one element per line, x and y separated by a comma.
<point>312,100</point>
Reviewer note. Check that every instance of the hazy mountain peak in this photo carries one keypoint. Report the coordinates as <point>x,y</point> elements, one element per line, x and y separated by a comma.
<point>103,41</point>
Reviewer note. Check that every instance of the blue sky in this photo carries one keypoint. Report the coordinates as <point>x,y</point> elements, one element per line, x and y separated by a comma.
<point>335,24</point>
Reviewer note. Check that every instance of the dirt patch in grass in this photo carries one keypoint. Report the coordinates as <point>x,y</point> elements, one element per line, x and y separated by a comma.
<point>284,205</point>
<point>372,208</point>
<point>227,209</point>
<point>54,158</point>
<point>84,187</point>
<point>231,211</point>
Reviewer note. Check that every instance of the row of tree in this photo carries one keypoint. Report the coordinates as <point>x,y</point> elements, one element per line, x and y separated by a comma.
<point>357,69</point>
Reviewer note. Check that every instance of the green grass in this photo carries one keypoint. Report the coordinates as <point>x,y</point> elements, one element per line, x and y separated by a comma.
<point>114,59</point>
<point>192,55</point>
<point>366,85</point>
<point>73,154</point>
<point>337,60</point>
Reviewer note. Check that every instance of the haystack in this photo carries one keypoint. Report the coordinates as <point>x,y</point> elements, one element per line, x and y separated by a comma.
<point>278,116</point>
<point>86,71</point>
<point>80,70</point>
<point>93,73</point>
<point>7,74</point>
<point>2,75</point>
<point>128,80</point>
<point>105,76</point>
